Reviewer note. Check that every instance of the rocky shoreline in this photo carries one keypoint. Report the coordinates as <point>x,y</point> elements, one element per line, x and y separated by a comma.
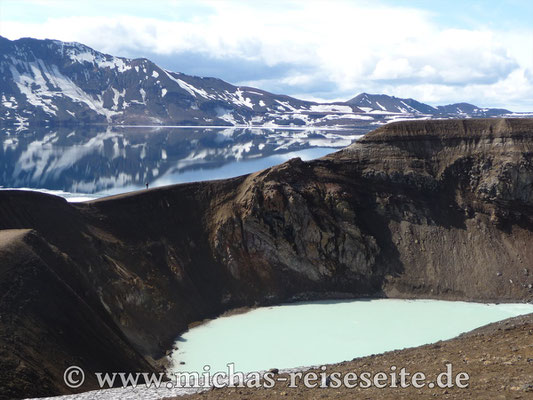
<point>425,209</point>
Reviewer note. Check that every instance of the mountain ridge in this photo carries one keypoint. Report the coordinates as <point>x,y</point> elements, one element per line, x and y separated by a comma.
<point>49,82</point>
<point>397,104</point>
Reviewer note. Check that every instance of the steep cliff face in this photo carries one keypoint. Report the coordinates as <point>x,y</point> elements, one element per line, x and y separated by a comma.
<point>457,200</point>
<point>437,209</point>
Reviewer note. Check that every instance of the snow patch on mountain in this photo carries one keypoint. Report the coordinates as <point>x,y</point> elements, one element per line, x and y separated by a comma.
<point>334,108</point>
<point>240,100</point>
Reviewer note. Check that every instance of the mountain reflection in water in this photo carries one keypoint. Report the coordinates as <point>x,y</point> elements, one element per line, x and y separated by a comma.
<point>100,159</point>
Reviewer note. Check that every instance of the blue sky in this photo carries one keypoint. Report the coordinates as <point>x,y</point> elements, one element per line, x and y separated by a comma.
<point>435,51</point>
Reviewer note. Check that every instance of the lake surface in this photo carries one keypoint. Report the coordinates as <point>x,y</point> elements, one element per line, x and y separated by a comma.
<point>323,332</point>
<point>88,162</point>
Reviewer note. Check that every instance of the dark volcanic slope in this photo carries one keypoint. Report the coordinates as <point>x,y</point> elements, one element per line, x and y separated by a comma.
<point>421,209</point>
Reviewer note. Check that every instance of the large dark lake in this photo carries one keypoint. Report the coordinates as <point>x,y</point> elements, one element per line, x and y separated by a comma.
<point>88,162</point>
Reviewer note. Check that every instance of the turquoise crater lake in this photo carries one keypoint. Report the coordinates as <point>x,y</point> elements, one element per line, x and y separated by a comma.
<point>322,332</point>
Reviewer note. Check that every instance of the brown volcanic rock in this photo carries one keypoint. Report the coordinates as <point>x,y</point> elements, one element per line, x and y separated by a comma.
<point>439,208</point>
<point>49,322</point>
<point>420,209</point>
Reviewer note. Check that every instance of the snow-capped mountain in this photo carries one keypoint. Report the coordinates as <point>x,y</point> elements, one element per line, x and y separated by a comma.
<point>372,103</point>
<point>379,103</point>
<point>52,82</point>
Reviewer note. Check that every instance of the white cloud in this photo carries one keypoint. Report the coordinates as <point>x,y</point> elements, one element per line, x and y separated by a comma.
<point>352,46</point>
<point>393,68</point>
